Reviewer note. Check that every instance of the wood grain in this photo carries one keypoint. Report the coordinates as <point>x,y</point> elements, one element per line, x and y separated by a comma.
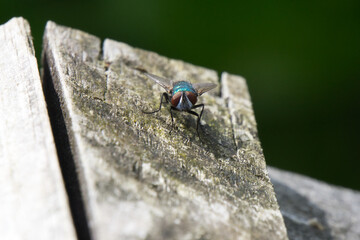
<point>32,195</point>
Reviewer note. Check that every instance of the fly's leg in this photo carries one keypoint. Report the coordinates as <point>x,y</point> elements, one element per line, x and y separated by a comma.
<point>199,116</point>
<point>172,118</point>
<point>167,100</point>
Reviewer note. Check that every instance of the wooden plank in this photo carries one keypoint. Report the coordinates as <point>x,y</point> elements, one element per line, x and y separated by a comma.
<point>141,179</point>
<point>316,210</point>
<point>32,195</point>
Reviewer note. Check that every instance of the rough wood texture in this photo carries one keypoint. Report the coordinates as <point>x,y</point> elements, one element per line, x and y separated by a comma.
<point>33,202</point>
<point>138,180</point>
<point>316,210</point>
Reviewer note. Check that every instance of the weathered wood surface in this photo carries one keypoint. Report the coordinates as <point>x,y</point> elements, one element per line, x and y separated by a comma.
<point>316,210</point>
<point>33,202</point>
<point>138,180</point>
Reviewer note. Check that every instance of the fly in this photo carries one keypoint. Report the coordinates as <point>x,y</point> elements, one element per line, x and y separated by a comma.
<point>182,95</point>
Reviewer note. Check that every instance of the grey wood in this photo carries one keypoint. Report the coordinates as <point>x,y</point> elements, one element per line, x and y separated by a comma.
<point>316,210</point>
<point>141,178</point>
<point>32,195</point>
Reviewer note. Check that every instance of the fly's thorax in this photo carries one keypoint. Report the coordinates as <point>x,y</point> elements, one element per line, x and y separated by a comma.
<point>183,86</point>
<point>183,95</point>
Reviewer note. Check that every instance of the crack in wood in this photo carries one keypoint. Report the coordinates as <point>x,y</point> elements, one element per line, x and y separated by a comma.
<point>65,156</point>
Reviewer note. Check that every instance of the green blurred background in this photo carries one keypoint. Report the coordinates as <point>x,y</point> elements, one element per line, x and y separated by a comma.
<point>301,60</point>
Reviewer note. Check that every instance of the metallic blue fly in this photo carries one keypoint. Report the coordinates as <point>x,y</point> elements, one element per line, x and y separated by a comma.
<point>183,95</point>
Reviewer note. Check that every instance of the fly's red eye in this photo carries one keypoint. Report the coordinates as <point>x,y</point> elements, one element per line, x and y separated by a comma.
<point>192,97</point>
<point>175,99</point>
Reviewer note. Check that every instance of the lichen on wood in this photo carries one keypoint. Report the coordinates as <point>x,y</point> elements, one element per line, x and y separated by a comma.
<point>142,178</point>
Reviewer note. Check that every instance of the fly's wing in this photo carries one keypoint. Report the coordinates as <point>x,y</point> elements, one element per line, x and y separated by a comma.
<point>163,82</point>
<point>201,88</point>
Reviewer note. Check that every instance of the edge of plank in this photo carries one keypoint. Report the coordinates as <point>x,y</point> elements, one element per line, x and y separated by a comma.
<point>34,201</point>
